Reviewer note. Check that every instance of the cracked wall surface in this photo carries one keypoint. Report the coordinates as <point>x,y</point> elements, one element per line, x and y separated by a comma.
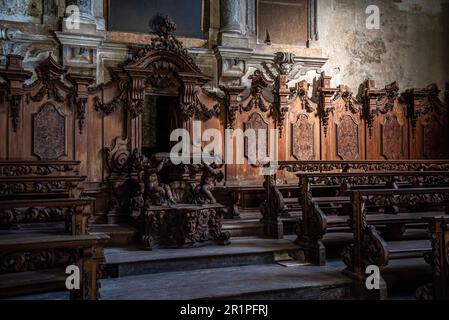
<point>410,47</point>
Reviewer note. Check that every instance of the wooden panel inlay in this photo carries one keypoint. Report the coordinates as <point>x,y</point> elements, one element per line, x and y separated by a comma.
<point>257,122</point>
<point>392,139</point>
<point>49,133</point>
<point>302,140</point>
<point>348,139</point>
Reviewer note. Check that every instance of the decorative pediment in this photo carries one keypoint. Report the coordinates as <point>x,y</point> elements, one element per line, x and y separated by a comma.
<point>163,67</point>
<point>49,80</point>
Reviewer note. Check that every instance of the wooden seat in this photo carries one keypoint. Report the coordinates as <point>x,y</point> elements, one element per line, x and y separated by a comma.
<point>31,263</point>
<point>75,212</point>
<point>368,246</point>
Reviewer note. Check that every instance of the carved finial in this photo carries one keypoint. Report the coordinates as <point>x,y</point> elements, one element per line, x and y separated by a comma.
<point>163,26</point>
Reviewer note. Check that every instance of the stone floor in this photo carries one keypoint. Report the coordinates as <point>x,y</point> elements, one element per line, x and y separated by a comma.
<point>249,268</point>
<point>271,281</point>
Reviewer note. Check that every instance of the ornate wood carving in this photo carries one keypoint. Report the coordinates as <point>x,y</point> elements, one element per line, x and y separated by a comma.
<point>302,139</point>
<point>363,166</point>
<point>257,122</point>
<point>49,129</point>
<point>378,102</point>
<point>49,74</point>
<point>392,139</point>
<point>325,106</point>
<point>165,67</point>
<point>257,98</point>
<point>110,107</point>
<point>421,102</point>
<point>348,147</point>
<point>14,110</point>
<point>183,226</point>
<point>37,260</point>
<point>15,75</point>
<point>22,168</point>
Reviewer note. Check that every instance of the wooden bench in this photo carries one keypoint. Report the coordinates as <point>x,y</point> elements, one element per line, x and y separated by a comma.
<point>20,187</point>
<point>276,204</point>
<point>22,168</point>
<point>315,222</point>
<point>438,258</point>
<point>34,263</point>
<point>35,198</point>
<point>74,212</point>
<point>41,192</point>
<point>369,248</point>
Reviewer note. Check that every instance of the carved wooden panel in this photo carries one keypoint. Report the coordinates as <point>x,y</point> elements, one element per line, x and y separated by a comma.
<point>302,139</point>
<point>434,139</point>
<point>49,141</point>
<point>347,133</point>
<point>256,122</point>
<point>392,139</point>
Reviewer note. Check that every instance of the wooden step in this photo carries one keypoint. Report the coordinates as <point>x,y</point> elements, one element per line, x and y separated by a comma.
<point>126,261</point>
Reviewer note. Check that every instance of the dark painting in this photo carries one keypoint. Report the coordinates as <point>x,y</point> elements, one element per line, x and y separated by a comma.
<point>135,15</point>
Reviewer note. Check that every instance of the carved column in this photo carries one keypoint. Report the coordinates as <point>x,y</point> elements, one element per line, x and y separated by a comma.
<point>79,105</point>
<point>230,16</point>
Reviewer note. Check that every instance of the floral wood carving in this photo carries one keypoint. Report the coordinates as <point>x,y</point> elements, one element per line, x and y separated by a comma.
<point>351,103</point>
<point>12,88</point>
<point>109,108</point>
<point>324,113</point>
<point>193,107</point>
<point>49,133</point>
<point>392,139</point>
<point>302,139</point>
<point>14,110</point>
<point>79,105</point>
<point>348,139</point>
<point>384,101</point>
<point>49,74</point>
<point>421,102</point>
<point>164,28</point>
<point>256,99</point>
<point>256,122</point>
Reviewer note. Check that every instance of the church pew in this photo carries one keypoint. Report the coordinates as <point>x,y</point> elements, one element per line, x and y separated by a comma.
<point>277,205</point>
<point>23,168</point>
<point>43,191</point>
<point>314,222</point>
<point>438,258</point>
<point>35,263</point>
<point>369,248</point>
<point>74,212</point>
<point>40,186</point>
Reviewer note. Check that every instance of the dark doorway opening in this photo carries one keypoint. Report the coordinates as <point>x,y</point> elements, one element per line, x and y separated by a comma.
<point>160,118</point>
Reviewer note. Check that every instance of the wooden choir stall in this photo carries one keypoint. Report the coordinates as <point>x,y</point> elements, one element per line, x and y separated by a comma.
<point>75,154</point>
